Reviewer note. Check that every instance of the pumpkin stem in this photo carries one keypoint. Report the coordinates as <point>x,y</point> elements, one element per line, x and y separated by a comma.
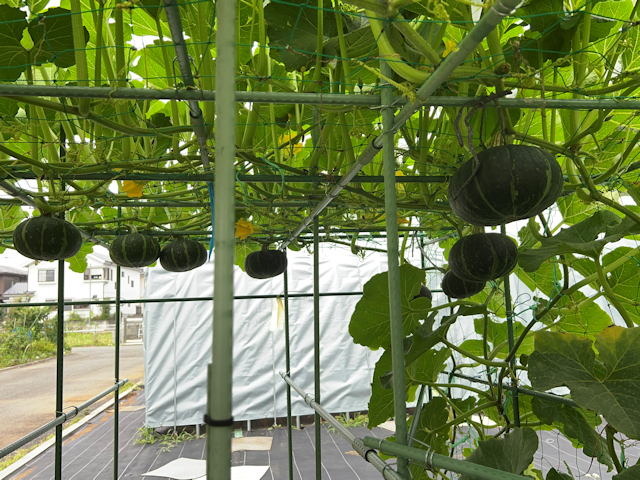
<point>132,228</point>
<point>477,229</point>
<point>265,247</point>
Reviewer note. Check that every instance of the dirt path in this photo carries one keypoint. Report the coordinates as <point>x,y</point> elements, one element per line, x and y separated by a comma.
<point>28,394</point>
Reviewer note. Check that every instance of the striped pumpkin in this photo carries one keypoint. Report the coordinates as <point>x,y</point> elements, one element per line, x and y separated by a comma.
<point>424,292</point>
<point>513,182</point>
<point>483,256</point>
<point>134,250</point>
<point>455,287</point>
<point>47,238</point>
<point>183,255</point>
<point>265,263</point>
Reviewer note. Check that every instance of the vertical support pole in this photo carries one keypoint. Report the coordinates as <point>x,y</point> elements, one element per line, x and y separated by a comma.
<point>59,368</point>
<point>288,369</point>
<point>510,340</point>
<point>316,342</point>
<point>219,405</point>
<point>60,339</point>
<point>116,400</point>
<point>395,302</point>
<point>416,416</point>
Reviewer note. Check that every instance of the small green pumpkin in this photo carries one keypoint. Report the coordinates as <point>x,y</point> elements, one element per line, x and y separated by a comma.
<point>483,256</point>
<point>513,182</point>
<point>182,255</point>
<point>47,238</point>
<point>134,250</point>
<point>424,292</point>
<point>455,287</point>
<point>265,263</point>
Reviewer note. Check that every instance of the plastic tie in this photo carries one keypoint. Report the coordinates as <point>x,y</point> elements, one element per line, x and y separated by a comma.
<point>217,423</point>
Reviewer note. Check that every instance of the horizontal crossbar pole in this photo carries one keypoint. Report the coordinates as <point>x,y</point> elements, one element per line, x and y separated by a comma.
<point>431,459</point>
<point>12,447</point>
<point>362,100</point>
<point>203,177</point>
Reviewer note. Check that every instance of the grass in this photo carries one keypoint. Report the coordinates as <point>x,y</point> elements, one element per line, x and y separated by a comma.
<point>37,350</point>
<point>358,420</point>
<point>74,339</point>
<point>149,436</point>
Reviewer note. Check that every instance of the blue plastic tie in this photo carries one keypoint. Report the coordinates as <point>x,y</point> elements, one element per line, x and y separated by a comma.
<point>213,217</point>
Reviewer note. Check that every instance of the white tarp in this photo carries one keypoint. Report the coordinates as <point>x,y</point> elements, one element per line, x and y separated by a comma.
<point>177,340</point>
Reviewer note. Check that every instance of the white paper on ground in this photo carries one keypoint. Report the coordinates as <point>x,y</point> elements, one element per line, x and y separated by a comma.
<point>251,443</point>
<point>181,469</point>
<point>245,473</point>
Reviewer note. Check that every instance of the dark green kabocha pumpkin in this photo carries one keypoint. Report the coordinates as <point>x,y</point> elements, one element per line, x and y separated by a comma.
<point>182,255</point>
<point>134,250</point>
<point>483,256</point>
<point>424,292</point>
<point>512,183</point>
<point>265,263</point>
<point>47,238</point>
<point>455,287</point>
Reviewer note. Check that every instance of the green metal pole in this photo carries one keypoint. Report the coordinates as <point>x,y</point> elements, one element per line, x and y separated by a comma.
<point>60,340</point>
<point>219,408</point>
<point>116,401</point>
<point>16,90</point>
<point>316,342</point>
<point>288,368</point>
<point>59,368</point>
<point>510,340</point>
<point>432,459</point>
<point>395,301</point>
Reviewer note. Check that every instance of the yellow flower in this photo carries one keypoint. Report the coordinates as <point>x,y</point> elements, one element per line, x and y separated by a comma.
<point>402,220</point>
<point>449,47</point>
<point>243,229</point>
<point>132,188</point>
<point>289,149</point>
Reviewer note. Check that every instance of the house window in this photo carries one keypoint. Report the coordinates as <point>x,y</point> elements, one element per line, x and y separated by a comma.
<point>107,274</point>
<point>122,274</point>
<point>46,275</point>
<point>132,283</point>
<point>87,274</point>
<point>138,310</point>
<point>84,306</point>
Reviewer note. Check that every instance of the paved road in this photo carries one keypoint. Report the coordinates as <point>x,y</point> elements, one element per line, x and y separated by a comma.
<point>28,394</point>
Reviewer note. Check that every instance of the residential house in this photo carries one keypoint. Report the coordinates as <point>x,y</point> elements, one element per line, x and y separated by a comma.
<point>9,276</point>
<point>96,283</point>
<point>18,293</point>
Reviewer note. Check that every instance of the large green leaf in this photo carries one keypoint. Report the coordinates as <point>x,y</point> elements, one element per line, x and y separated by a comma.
<point>428,366</point>
<point>573,424</point>
<point>52,36</point>
<point>553,474</point>
<point>625,281</point>
<point>582,238</point>
<point>608,385</point>
<point>513,453</point>
<point>434,414</point>
<point>292,27</point>
<point>13,56</point>
<point>370,321</point>
<point>78,263</point>
<point>632,473</point>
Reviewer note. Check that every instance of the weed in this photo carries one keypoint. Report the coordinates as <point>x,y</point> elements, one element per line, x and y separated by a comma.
<point>149,436</point>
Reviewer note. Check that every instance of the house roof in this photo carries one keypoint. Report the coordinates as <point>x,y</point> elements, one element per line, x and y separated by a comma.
<point>5,270</point>
<point>19,288</point>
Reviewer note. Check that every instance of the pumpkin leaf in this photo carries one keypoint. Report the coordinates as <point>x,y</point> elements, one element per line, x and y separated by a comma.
<point>369,324</point>
<point>580,238</point>
<point>78,263</point>
<point>608,385</point>
<point>52,36</point>
<point>513,453</point>
<point>632,473</point>
<point>553,474</point>
<point>573,424</point>
<point>292,28</point>
<point>625,281</point>
<point>14,58</point>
